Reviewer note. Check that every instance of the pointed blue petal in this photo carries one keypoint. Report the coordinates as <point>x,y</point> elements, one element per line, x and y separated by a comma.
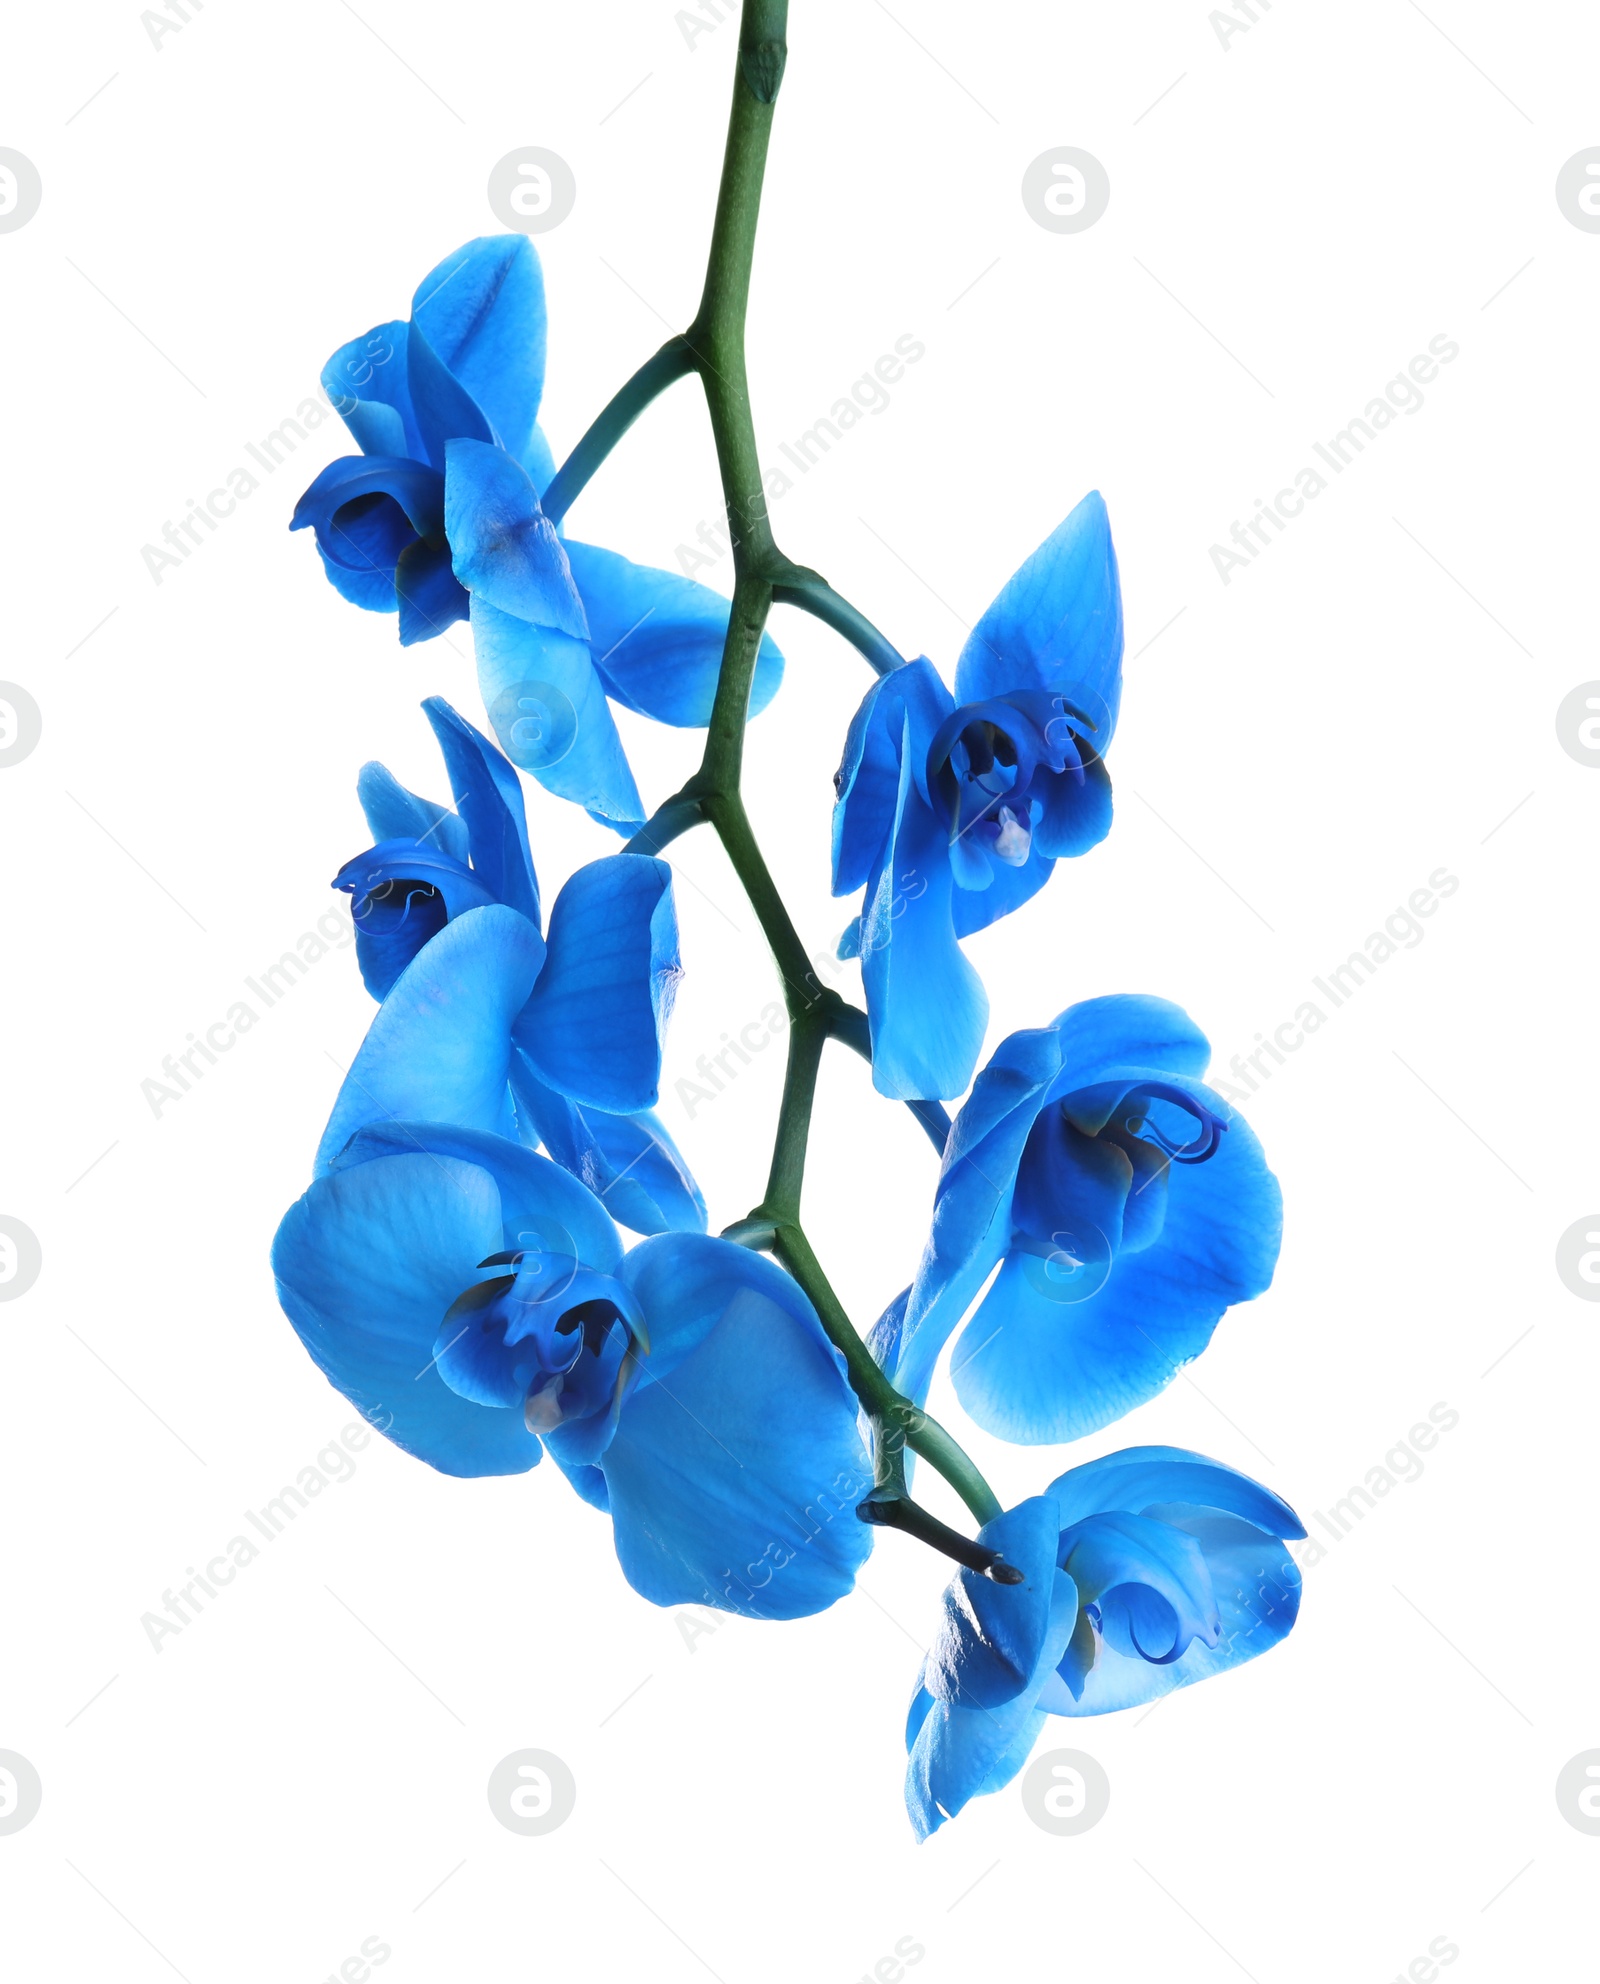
<point>737,1465</point>
<point>657,638</point>
<point>367,1264</point>
<point>911,701</point>
<point>629,1162</point>
<point>991,1636</point>
<point>927,1005</point>
<point>506,550</point>
<point>439,1047</point>
<point>972,1202</point>
<point>1057,624</point>
<point>483,312</point>
<point>651,1189</point>
<point>1141,1478</point>
<point>593,1027</point>
<point>964,1753</point>
<point>366,381</point>
<point>548,708</point>
<point>1128,1029</point>
<point>443,408</point>
<point>488,797</point>
<point>393,813</point>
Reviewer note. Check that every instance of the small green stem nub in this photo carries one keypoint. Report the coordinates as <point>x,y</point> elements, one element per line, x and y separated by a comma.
<point>900,1512</point>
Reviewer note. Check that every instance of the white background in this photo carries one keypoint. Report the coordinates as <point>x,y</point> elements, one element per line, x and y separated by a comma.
<point>1372,699</point>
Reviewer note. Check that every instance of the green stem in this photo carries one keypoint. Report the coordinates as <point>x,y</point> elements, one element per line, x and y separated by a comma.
<point>722,762</point>
<point>672,362</point>
<point>761,574</point>
<point>897,1423</point>
<point>807,1038</point>
<point>802,991</point>
<point>717,334</point>
<point>713,346</point>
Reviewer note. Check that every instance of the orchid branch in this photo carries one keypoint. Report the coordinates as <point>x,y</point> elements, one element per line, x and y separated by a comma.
<point>714,347</point>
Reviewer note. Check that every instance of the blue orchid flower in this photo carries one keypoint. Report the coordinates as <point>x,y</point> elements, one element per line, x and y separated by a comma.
<point>474,1301</point>
<point>439,517</point>
<point>952,810</point>
<point>1143,1572</point>
<point>585,1051</point>
<point>1128,1208</point>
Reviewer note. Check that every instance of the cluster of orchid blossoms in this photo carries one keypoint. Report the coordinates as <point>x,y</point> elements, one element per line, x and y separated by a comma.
<point>456,1267</point>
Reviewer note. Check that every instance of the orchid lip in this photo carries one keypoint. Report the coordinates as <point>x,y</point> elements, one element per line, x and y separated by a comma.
<point>540,1337</point>
<point>563,1268</point>
<point>1204,1145</point>
<point>396,894</point>
<point>986,759</point>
